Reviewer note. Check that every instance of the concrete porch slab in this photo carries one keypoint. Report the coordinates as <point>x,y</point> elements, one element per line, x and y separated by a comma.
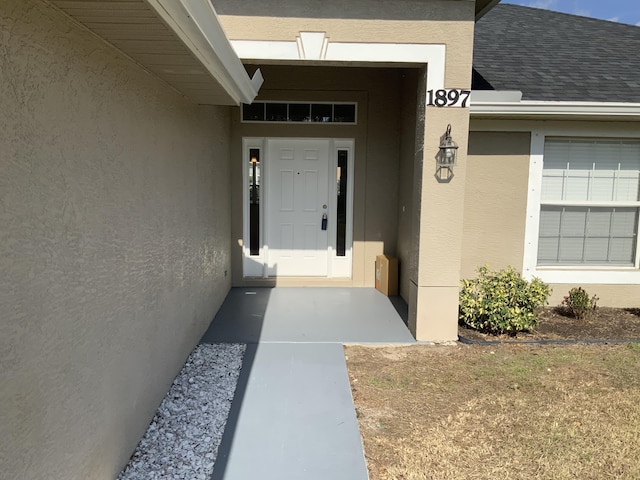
<point>342,315</point>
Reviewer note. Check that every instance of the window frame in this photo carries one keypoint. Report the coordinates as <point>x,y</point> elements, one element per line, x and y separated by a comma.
<point>570,273</point>
<point>342,266</point>
<point>252,264</point>
<point>289,103</point>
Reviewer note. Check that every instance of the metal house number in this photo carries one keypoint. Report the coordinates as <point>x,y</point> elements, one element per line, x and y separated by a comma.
<point>452,97</point>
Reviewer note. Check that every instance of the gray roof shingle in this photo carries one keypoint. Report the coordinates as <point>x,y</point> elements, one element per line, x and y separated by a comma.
<point>556,56</point>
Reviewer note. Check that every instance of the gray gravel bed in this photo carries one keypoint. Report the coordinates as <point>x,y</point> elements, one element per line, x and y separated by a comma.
<point>183,438</point>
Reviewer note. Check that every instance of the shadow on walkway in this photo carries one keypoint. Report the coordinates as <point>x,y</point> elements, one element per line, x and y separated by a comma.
<point>292,415</point>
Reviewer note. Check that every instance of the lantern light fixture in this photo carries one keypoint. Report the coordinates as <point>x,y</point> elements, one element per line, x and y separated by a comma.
<point>448,150</point>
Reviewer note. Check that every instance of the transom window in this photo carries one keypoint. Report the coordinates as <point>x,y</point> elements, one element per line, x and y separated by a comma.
<point>589,202</point>
<point>299,112</point>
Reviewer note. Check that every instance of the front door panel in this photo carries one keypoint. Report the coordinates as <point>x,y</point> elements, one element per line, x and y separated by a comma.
<point>297,199</point>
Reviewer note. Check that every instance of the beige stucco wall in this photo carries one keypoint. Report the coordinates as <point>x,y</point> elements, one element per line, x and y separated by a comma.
<point>495,200</point>
<point>442,22</point>
<point>409,174</point>
<point>376,135</point>
<point>623,296</point>
<point>435,244</point>
<point>114,242</point>
<point>440,230</point>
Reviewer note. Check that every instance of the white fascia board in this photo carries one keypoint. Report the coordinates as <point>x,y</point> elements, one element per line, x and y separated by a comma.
<point>196,23</point>
<point>547,108</point>
<point>266,50</point>
<point>496,96</point>
<point>432,55</point>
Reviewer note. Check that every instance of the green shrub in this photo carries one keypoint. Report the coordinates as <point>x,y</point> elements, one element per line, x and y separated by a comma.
<point>579,303</point>
<point>501,301</point>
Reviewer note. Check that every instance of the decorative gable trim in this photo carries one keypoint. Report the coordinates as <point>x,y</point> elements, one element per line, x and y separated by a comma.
<point>317,47</point>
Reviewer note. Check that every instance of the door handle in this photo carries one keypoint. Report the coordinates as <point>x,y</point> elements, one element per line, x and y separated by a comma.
<point>324,221</point>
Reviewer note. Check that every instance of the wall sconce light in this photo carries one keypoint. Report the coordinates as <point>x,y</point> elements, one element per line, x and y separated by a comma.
<point>448,150</point>
<point>446,157</point>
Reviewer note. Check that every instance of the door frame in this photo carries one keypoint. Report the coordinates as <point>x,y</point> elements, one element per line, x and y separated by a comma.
<point>255,266</point>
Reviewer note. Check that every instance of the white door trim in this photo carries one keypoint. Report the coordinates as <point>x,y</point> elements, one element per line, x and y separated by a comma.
<point>341,267</point>
<point>252,265</point>
<point>256,265</point>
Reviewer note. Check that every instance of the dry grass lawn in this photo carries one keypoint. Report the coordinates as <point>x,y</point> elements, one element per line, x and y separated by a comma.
<point>499,412</point>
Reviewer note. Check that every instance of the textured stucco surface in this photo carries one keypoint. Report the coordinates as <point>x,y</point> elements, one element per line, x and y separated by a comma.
<point>114,242</point>
<point>402,21</point>
<point>495,200</point>
<point>409,180</point>
<point>437,208</point>
<point>441,227</point>
<point>621,296</point>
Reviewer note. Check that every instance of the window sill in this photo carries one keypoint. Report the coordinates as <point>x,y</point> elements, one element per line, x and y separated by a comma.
<point>587,275</point>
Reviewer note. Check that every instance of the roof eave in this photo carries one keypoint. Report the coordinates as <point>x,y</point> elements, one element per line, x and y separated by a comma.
<point>196,24</point>
<point>555,109</point>
<point>179,41</point>
<point>483,6</point>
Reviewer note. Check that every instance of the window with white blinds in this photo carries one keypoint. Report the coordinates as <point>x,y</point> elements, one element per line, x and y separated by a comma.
<point>589,202</point>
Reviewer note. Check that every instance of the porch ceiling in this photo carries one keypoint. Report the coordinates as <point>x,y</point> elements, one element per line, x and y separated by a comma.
<point>180,41</point>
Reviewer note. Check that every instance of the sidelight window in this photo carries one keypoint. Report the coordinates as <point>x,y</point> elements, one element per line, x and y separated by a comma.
<point>254,201</point>
<point>341,202</point>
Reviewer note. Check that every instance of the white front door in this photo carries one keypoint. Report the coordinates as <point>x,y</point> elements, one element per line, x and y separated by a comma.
<point>297,198</point>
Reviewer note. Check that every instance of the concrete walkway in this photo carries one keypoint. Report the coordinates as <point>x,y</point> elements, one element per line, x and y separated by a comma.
<point>293,415</point>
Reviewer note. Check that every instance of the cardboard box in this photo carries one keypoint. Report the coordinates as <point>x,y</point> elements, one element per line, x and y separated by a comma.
<point>387,275</point>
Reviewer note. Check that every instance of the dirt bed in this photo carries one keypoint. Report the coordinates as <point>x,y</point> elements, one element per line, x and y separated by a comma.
<point>613,324</point>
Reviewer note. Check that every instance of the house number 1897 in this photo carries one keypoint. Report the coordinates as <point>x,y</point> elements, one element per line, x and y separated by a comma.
<point>448,98</point>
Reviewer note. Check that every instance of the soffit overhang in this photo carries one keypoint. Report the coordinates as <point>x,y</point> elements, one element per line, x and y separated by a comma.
<point>508,104</point>
<point>180,41</point>
<point>545,110</point>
